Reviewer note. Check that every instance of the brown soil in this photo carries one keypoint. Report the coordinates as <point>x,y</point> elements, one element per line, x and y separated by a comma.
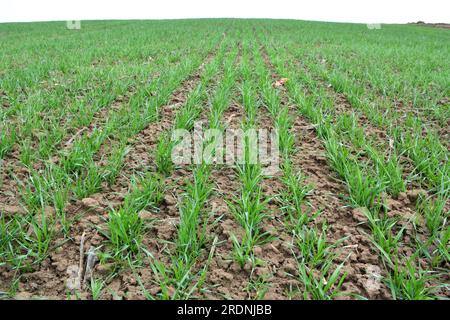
<point>225,278</point>
<point>352,223</point>
<point>49,279</point>
<point>363,265</point>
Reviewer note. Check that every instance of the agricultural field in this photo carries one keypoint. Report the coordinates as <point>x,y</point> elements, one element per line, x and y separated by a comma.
<point>93,206</point>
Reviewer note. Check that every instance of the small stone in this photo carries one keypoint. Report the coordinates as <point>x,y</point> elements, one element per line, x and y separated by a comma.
<point>280,82</point>
<point>72,282</point>
<point>373,283</point>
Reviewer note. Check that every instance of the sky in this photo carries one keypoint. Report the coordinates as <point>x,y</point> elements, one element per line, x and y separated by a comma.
<point>362,11</point>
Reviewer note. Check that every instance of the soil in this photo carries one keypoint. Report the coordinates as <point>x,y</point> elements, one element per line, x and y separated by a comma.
<point>352,223</point>
<point>225,278</point>
<point>90,214</point>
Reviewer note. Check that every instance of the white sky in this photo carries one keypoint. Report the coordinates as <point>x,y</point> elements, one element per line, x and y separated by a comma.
<point>372,11</point>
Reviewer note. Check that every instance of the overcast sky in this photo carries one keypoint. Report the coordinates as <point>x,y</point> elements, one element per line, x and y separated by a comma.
<point>372,11</point>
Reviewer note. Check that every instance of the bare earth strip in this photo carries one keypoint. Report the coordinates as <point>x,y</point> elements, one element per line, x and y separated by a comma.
<point>363,266</point>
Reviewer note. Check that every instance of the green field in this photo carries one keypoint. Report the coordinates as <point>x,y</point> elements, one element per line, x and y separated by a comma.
<point>93,207</point>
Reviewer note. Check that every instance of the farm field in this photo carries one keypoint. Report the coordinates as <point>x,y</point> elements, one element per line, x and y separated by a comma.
<point>92,205</point>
